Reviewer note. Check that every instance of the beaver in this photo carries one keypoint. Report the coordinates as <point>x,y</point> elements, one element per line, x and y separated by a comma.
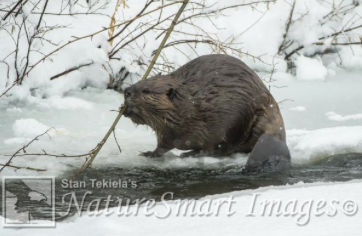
<point>214,105</point>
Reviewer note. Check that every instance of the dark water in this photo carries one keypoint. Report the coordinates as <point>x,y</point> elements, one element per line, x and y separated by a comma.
<point>193,183</point>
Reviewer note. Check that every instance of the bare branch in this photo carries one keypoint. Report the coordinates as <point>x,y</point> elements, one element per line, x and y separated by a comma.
<point>24,147</point>
<point>23,167</point>
<point>115,139</point>
<point>289,22</point>
<point>70,70</point>
<point>42,14</point>
<point>131,21</point>
<point>12,10</point>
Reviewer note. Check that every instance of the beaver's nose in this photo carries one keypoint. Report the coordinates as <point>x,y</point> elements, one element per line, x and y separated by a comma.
<point>128,111</point>
<point>127,93</point>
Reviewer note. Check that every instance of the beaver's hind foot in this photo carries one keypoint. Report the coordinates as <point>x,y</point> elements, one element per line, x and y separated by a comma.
<point>192,153</point>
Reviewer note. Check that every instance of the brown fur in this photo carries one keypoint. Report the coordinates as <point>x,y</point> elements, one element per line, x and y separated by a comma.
<point>214,103</point>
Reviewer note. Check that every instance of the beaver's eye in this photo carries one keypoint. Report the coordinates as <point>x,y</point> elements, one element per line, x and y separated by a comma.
<point>146,91</point>
<point>171,93</point>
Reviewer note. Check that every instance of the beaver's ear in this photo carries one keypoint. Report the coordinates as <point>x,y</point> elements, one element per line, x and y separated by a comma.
<point>171,93</point>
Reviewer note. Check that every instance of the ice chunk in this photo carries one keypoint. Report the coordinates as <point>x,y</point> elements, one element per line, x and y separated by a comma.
<point>310,69</point>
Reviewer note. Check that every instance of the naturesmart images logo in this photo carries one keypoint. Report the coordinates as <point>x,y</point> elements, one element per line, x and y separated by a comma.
<point>28,202</point>
<point>43,201</point>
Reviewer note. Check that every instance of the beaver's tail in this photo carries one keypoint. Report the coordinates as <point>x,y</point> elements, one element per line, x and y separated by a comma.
<point>269,155</point>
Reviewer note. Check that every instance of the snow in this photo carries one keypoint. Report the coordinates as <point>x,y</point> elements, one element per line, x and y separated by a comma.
<point>320,105</point>
<point>310,216</point>
<point>28,128</point>
<point>255,24</point>
<point>310,69</point>
<point>309,145</point>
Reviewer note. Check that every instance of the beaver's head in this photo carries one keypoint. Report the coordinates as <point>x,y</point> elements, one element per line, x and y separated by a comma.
<point>151,101</point>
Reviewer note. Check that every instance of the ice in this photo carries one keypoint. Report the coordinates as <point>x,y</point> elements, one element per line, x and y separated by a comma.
<point>14,109</point>
<point>298,108</point>
<point>64,103</point>
<point>337,117</point>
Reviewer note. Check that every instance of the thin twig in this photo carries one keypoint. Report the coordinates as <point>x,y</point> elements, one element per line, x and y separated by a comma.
<point>287,56</point>
<point>130,22</point>
<point>114,51</point>
<point>23,148</point>
<point>51,155</point>
<point>23,167</point>
<point>124,107</point>
<point>115,139</point>
<point>7,90</point>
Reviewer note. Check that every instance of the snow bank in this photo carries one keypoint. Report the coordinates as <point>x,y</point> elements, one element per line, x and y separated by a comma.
<point>309,145</point>
<point>320,209</point>
<point>28,128</point>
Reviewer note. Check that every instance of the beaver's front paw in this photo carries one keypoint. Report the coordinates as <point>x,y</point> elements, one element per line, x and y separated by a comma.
<point>150,154</point>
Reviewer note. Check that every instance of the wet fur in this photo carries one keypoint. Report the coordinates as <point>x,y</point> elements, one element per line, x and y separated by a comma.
<point>214,103</point>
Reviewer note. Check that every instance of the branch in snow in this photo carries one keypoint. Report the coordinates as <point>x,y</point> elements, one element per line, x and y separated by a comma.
<point>289,22</point>
<point>70,70</point>
<point>23,167</point>
<point>8,163</point>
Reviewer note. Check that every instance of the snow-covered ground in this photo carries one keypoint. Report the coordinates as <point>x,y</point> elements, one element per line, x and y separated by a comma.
<point>321,105</point>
